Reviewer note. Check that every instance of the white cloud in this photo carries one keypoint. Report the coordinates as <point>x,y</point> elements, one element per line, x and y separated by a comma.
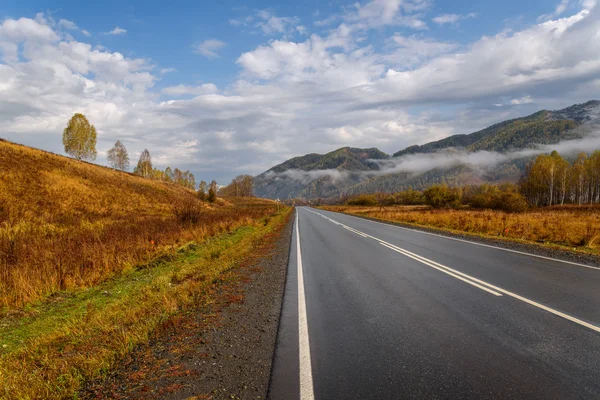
<point>294,97</point>
<point>209,48</point>
<point>452,19</point>
<point>522,100</point>
<point>412,51</point>
<point>270,24</point>
<point>117,31</point>
<point>181,90</point>
<point>559,10</point>
<point>377,13</point>
<point>66,24</point>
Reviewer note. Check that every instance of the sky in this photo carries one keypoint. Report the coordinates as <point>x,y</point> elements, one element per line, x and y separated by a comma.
<point>233,87</point>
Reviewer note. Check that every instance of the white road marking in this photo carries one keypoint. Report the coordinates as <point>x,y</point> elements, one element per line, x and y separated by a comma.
<point>355,231</point>
<point>430,264</point>
<point>306,380</point>
<point>474,281</point>
<point>478,244</point>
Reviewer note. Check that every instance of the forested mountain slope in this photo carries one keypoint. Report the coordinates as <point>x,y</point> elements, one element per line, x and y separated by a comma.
<point>350,171</point>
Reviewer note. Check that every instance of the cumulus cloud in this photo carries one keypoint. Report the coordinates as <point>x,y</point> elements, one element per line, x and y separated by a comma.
<point>452,19</point>
<point>411,51</point>
<point>117,31</point>
<point>270,24</point>
<point>522,100</point>
<point>377,13</point>
<point>64,23</point>
<point>559,10</point>
<point>293,97</point>
<point>209,48</point>
<point>180,90</point>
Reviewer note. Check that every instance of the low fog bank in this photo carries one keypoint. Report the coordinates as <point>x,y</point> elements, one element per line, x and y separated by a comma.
<point>416,164</point>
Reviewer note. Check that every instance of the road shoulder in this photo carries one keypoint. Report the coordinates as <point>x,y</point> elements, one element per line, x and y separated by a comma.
<point>220,350</point>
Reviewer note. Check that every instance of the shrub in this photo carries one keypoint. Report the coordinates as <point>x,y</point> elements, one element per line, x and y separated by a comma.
<point>511,202</point>
<point>441,196</point>
<point>188,211</point>
<point>363,200</point>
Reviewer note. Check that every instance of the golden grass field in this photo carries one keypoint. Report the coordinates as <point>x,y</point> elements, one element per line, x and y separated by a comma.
<point>94,261</point>
<point>67,224</point>
<point>567,226</point>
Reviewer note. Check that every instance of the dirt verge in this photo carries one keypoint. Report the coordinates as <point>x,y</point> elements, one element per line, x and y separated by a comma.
<point>222,349</point>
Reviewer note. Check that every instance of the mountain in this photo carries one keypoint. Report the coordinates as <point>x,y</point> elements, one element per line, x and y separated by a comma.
<point>319,178</point>
<point>352,171</point>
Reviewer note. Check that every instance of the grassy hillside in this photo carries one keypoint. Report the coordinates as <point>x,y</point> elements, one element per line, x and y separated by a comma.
<point>67,224</point>
<point>94,261</point>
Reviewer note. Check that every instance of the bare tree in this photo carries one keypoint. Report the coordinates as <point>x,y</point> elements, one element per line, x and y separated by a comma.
<point>144,165</point>
<point>118,157</point>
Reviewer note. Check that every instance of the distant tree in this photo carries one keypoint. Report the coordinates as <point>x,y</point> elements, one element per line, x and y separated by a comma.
<point>212,192</point>
<point>144,165</point>
<point>202,190</point>
<point>118,157</point>
<point>177,176</point>
<point>240,186</point>
<point>168,174</point>
<point>191,180</point>
<point>79,138</point>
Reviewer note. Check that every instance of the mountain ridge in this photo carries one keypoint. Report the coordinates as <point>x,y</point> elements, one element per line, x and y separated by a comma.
<point>351,170</point>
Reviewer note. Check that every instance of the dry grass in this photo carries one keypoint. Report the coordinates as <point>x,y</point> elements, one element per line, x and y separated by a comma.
<point>66,224</point>
<point>568,226</point>
<point>93,261</point>
<point>51,350</point>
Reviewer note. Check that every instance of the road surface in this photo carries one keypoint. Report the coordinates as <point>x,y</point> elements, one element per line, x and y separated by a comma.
<point>374,311</point>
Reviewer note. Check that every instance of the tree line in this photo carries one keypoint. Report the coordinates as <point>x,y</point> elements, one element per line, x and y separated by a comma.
<point>552,179</point>
<point>240,186</point>
<point>548,180</point>
<point>79,140</point>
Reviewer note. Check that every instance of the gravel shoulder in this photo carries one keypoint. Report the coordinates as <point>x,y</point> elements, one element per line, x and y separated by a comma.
<point>222,349</point>
<point>537,249</point>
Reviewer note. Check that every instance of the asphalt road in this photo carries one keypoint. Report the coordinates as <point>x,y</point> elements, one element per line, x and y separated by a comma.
<point>374,311</point>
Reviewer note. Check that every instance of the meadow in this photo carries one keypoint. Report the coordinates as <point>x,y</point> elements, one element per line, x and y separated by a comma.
<point>67,224</point>
<point>573,227</point>
<point>95,261</point>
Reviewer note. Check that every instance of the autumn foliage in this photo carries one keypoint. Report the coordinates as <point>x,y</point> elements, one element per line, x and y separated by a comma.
<point>66,224</point>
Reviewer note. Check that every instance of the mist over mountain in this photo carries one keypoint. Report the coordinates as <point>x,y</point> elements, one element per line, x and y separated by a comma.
<point>498,153</point>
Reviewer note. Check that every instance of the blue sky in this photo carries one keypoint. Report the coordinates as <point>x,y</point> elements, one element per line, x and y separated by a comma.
<point>240,86</point>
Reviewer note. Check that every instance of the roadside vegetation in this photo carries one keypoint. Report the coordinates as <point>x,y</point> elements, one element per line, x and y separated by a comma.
<point>66,224</point>
<point>555,203</point>
<point>49,349</point>
<point>93,260</point>
<point>572,227</point>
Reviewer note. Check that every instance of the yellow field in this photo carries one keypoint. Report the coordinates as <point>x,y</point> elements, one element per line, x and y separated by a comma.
<point>569,226</point>
<point>67,224</point>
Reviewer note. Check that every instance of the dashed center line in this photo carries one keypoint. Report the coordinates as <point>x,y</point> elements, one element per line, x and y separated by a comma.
<point>471,280</point>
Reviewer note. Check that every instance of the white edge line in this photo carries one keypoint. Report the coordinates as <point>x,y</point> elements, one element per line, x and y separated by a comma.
<point>306,379</point>
<point>470,242</point>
